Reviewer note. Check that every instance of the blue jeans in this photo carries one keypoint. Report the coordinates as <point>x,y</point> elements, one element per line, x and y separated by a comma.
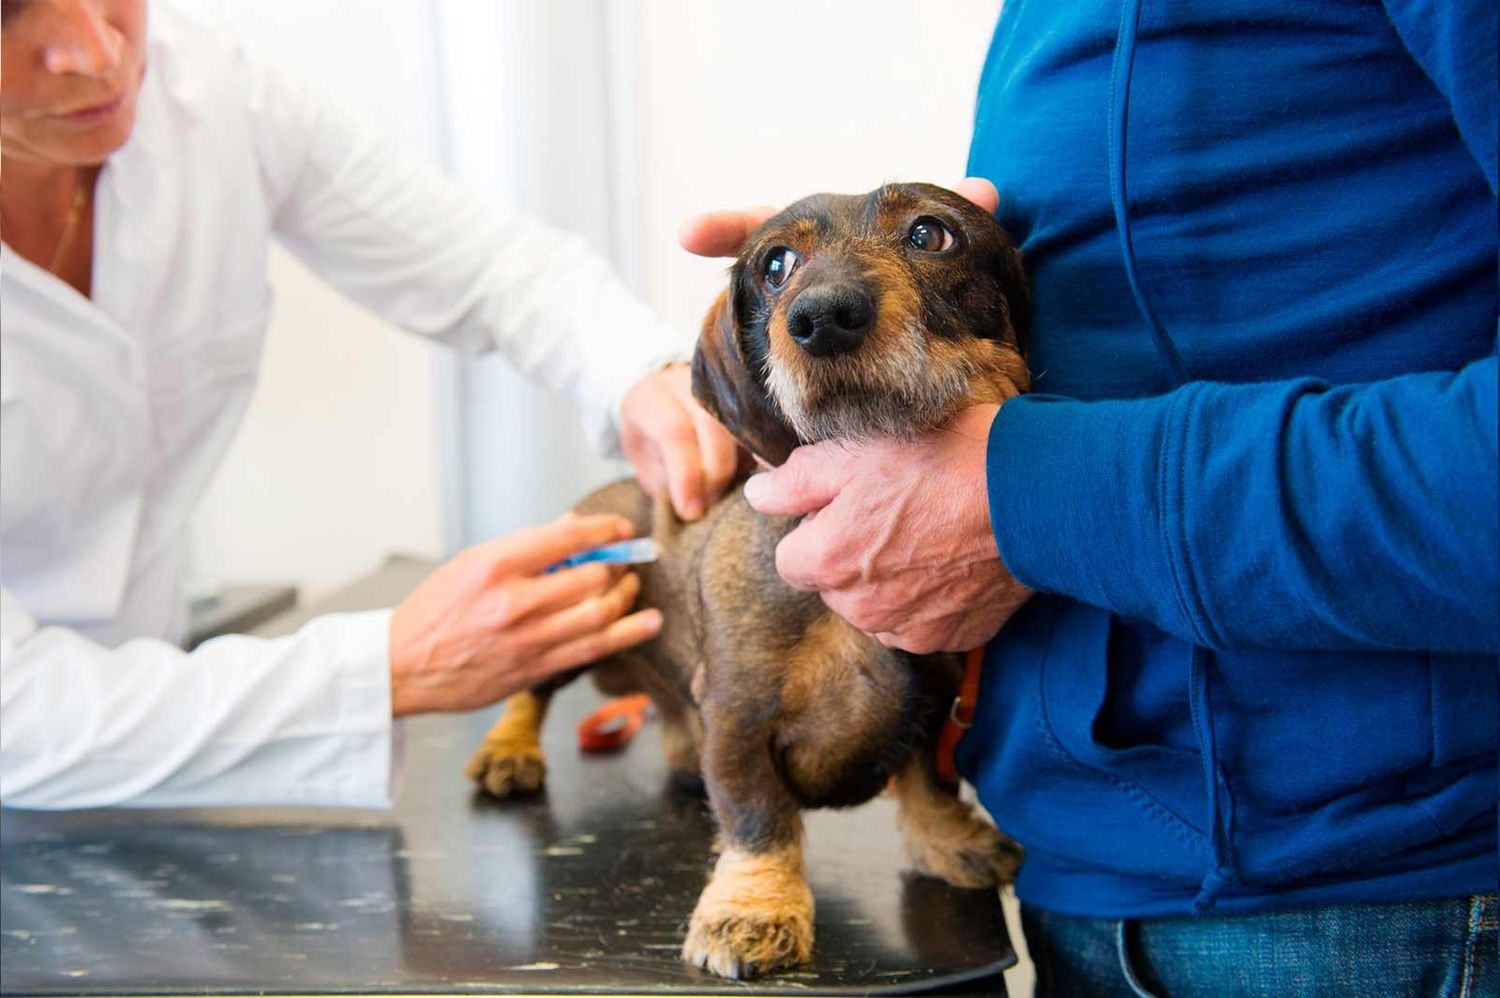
<point>1419,948</point>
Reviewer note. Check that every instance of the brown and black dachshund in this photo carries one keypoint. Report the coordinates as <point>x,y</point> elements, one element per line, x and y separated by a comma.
<point>846,317</point>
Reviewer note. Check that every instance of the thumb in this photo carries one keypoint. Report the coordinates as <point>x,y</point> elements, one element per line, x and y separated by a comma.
<point>809,480</point>
<point>980,191</point>
<point>721,233</point>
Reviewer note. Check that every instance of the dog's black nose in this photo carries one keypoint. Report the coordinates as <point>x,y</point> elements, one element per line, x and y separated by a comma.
<point>831,319</point>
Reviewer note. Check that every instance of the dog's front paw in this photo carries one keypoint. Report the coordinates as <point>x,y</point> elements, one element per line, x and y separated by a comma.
<point>508,768</point>
<point>754,917</point>
<point>747,943</point>
<point>967,852</point>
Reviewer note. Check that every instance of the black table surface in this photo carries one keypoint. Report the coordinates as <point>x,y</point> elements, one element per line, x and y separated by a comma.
<point>584,889</point>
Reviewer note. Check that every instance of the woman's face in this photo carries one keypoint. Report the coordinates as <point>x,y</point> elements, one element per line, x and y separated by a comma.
<point>69,79</point>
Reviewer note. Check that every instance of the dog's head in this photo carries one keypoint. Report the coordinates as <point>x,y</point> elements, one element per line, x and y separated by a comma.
<point>881,314</point>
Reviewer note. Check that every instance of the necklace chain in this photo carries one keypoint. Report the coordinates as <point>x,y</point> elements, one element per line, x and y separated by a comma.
<point>75,210</point>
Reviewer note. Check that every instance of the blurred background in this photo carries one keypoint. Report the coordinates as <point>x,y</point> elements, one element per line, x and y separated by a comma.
<point>612,118</point>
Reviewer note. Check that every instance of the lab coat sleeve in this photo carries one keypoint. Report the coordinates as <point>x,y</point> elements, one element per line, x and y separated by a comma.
<point>412,246</point>
<point>299,720</point>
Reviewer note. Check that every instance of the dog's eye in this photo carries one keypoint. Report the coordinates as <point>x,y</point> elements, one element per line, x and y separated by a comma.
<point>931,236</point>
<point>779,265</point>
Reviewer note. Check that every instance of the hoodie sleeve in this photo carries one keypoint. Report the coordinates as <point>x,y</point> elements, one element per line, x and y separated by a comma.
<point>1287,515</point>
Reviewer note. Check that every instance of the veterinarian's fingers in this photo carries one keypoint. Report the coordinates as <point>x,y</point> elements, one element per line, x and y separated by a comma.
<point>709,454</point>
<point>546,593</point>
<point>583,618</point>
<point>809,480</point>
<point>980,191</point>
<point>627,632</point>
<point>720,453</point>
<point>650,475</point>
<point>659,415</point>
<point>529,551</point>
<point>721,233</point>
<point>677,441</point>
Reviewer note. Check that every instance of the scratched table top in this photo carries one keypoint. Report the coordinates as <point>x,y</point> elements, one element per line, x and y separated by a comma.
<point>586,888</point>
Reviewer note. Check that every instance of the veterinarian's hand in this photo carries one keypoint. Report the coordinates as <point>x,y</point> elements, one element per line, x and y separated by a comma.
<point>896,536</point>
<point>489,623</point>
<point>673,442</point>
<point>722,233</point>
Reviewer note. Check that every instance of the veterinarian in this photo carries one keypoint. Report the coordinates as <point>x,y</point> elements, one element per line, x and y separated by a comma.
<point>146,171</point>
<point>1242,538</point>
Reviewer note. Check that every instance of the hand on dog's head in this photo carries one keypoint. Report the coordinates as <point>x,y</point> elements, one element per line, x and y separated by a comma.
<point>852,316</point>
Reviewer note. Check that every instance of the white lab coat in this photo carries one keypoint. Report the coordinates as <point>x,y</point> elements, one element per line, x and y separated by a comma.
<point>116,410</point>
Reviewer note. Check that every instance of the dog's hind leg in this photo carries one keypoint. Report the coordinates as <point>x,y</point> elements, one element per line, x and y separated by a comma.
<point>947,838</point>
<point>681,735</point>
<point>681,729</point>
<point>756,914</point>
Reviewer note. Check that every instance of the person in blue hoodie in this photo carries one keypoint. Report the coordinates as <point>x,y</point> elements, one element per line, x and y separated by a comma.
<point>1240,544</point>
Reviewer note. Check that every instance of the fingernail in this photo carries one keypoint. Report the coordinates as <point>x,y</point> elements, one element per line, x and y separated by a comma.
<point>651,619</point>
<point>755,488</point>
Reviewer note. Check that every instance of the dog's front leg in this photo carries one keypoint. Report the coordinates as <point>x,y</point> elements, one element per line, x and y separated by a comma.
<point>509,761</point>
<point>756,914</point>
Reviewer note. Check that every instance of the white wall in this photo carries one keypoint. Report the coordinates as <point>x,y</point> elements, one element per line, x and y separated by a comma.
<point>761,103</point>
<point>614,117</point>
<point>529,125</point>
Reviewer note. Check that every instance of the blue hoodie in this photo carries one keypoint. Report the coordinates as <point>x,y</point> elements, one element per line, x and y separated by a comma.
<point>1256,483</point>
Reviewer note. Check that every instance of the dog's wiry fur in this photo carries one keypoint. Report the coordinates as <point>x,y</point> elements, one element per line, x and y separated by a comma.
<point>775,702</point>
<point>755,914</point>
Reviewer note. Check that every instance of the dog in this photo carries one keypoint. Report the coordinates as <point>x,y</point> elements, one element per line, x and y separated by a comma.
<point>846,316</point>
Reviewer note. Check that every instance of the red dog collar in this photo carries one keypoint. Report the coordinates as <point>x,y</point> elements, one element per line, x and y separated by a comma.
<point>960,717</point>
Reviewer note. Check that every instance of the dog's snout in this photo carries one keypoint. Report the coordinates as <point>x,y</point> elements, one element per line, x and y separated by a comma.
<point>829,320</point>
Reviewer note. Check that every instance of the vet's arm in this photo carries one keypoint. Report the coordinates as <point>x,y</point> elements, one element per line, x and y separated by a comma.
<point>431,257</point>
<point>420,251</point>
<point>301,720</point>
<point>305,719</point>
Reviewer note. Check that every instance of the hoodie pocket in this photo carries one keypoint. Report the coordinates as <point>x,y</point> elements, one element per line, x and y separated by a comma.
<point>1120,724</point>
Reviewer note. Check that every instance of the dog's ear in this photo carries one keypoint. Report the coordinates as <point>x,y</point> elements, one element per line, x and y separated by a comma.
<point>725,384</point>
